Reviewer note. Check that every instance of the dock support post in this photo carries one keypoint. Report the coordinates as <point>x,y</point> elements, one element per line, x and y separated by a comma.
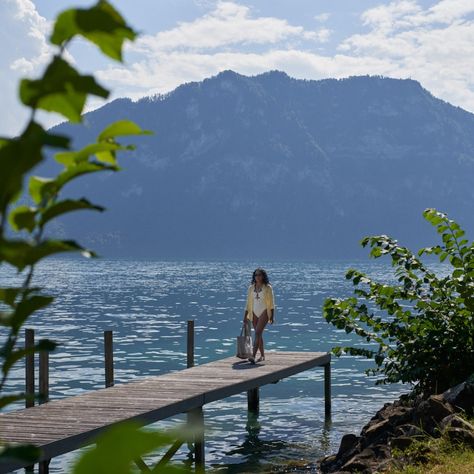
<point>29,369</point>
<point>190,344</point>
<point>327,389</point>
<point>29,377</point>
<point>109,358</point>
<point>44,396</point>
<point>44,376</point>
<point>196,417</point>
<point>253,400</point>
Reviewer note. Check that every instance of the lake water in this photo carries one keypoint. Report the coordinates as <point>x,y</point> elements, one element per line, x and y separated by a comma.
<point>147,303</point>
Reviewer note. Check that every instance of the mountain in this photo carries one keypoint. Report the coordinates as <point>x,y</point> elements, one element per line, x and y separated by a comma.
<point>273,167</point>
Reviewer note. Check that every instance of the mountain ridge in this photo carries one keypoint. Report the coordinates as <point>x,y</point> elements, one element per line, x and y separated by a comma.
<point>315,164</point>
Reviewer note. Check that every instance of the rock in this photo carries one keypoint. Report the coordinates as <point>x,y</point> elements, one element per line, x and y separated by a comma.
<point>430,412</point>
<point>381,451</point>
<point>328,464</point>
<point>461,396</point>
<point>455,421</point>
<point>364,462</point>
<point>377,430</point>
<point>400,415</point>
<point>347,447</point>
<point>438,407</point>
<point>402,442</point>
<point>408,430</point>
<point>367,453</point>
<point>461,436</point>
<point>355,464</point>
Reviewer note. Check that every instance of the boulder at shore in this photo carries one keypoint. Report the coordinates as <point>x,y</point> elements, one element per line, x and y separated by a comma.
<point>397,425</point>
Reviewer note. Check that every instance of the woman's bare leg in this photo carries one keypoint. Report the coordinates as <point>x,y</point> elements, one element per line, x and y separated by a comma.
<point>259,327</point>
<point>254,323</point>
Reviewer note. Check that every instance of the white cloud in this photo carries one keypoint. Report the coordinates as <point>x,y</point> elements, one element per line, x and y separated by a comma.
<point>433,45</point>
<point>36,27</point>
<point>322,17</point>
<point>24,51</point>
<point>227,37</point>
<point>228,24</point>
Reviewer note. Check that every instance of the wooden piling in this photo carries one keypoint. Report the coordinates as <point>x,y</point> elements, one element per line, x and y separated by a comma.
<point>44,376</point>
<point>327,389</point>
<point>43,467</point>
<point>190,344</point>
<point>29,369</point>
<point>109,358</point>
<point>197,424</point>
<point>253,400</point>
<point>189,364</point>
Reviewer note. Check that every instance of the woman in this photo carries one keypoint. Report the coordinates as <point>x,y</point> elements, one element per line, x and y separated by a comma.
<point>260,309</point>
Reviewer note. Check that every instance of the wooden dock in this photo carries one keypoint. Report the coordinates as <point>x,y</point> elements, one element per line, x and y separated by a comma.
<point>64,425</point>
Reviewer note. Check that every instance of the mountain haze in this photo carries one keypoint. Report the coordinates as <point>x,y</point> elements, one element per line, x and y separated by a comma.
<point>274,167</point>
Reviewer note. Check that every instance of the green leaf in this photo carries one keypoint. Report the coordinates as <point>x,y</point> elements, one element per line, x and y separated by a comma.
<point>9,399</point>
<point>26,452</point>
<point>116,450</point>
<point>101,25</point>
<point>79,170</point>
<point>8,295</point>
<point>20,155</point>
<point>61,89</point>
<point>15,356</point>
<point>23,217</point>
<point>68,205</point>
<point>104,152</point>
<point>26,308</point>
<point>21,253</point>
<point>121,128</point>
<point>41,189</point>
<point>45,189</point>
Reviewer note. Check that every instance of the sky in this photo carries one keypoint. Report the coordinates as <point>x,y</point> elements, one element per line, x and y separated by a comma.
<point>180,41</point>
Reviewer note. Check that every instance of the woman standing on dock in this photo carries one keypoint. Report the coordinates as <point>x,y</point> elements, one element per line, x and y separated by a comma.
<point>259,309</point>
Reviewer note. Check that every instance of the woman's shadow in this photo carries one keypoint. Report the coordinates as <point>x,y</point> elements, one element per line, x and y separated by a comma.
<point>245,365</point>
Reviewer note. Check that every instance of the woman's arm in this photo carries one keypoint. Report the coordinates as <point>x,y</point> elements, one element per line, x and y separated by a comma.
<point>271,304</point>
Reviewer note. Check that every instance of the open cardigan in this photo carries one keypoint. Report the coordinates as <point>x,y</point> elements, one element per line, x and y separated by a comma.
<point>268,296</point>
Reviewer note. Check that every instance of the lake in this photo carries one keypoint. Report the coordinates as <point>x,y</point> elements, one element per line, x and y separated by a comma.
<point>147,303</point>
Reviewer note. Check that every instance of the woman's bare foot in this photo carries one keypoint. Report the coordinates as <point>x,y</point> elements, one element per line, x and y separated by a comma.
<point>251,359</point>
<point>261,358</point>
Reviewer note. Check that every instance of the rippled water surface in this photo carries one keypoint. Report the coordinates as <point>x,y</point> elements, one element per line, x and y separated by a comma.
<point>147,303</point>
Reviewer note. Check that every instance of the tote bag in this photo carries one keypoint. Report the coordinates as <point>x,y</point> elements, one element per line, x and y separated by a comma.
<point>244,342</point>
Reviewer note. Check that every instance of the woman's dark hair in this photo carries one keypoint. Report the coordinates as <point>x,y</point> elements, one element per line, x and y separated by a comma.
<point>264,274</point>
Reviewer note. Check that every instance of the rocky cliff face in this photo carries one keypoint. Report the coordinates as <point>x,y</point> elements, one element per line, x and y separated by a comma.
<point>274,167</point>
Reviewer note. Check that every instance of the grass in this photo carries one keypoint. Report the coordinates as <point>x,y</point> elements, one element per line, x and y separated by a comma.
<point>434,456</point>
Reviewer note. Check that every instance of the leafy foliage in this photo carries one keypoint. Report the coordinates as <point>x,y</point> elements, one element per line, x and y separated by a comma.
<point>63,90</point>
<point>101,25</point>
<point>120,447</point>
<point>424,325</point>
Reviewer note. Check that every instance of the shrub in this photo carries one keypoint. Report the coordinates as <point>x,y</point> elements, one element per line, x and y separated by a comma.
<point>421,328</point>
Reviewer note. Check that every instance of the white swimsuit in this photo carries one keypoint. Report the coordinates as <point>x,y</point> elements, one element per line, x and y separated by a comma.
<point>258,302</point>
